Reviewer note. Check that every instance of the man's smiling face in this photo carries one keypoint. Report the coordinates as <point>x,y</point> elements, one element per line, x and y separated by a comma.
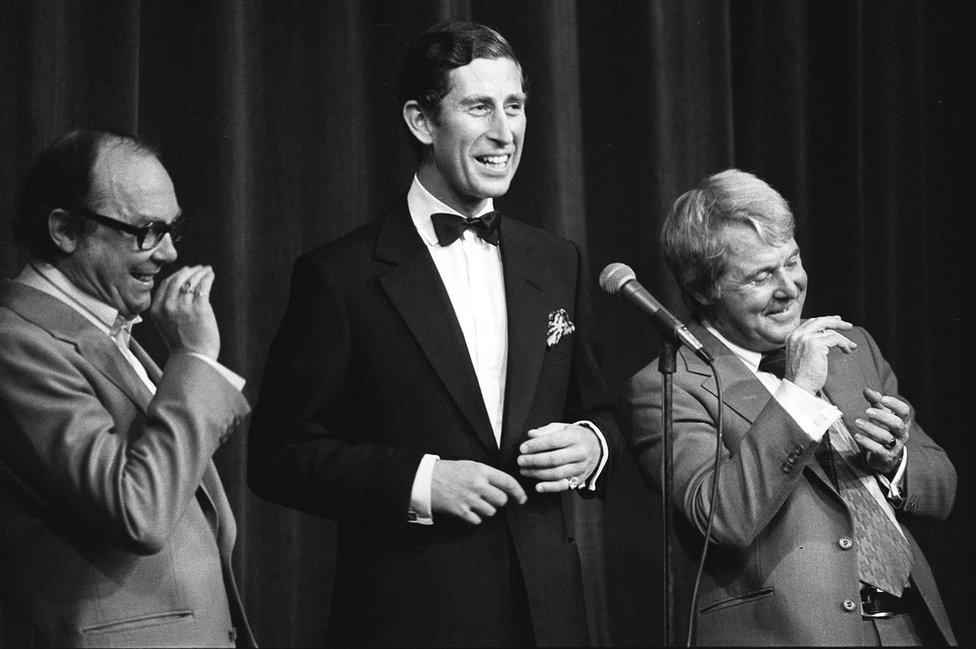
<point>476,139</point>
<point>761,294</point>
<point>108,264</point>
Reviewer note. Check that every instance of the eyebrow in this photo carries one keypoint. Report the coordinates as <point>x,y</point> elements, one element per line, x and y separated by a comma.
<point>485,99</point>
<point>149,220</point>
<point>771,267</point>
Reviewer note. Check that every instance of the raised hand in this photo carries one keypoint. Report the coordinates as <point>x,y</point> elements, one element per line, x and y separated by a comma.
<point>182,312</point>
<point>807,348</point>
<point>885,433</point>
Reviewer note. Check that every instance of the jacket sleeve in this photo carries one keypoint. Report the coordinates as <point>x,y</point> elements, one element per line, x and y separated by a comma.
<point>298,456</point>
<point>76,447</point>
<point>930,478</point>
<point>588,396</point>
<point>752,483</point>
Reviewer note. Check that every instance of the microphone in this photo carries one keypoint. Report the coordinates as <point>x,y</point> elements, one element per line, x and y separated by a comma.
<point>619,279</point>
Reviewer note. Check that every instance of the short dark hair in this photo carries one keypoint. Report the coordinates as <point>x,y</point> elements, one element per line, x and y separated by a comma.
<point>692,235</point>
<point>442,48</point>
<point>61,177</point>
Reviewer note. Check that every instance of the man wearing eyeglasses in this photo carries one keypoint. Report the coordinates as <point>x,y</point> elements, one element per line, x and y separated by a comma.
<point>114,527</point>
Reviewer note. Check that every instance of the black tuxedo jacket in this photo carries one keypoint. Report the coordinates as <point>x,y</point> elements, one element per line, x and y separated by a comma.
<point>368,372</point>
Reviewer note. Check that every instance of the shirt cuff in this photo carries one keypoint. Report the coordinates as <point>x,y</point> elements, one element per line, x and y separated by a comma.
<point>604,455</point>
<point>894,485</point>
<point>811,413</point>
<point>235,380</point>
<point>419,511</point>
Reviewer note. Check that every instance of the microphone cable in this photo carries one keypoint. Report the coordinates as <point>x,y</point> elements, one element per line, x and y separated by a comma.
<point>692,611</point>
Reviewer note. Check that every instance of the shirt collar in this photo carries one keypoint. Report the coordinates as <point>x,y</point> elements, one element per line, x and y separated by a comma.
<point>747,356</point>
<point>422,204</point>
<point>45,277</point>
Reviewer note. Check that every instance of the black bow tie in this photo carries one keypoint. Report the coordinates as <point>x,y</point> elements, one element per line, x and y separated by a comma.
<point>774,362</point>
<point>450,227</point>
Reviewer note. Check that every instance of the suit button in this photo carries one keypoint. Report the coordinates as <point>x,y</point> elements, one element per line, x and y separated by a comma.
<point>849,605</point>
<point>786,467</point>
<point>845,543</point>
<point>798,450</point>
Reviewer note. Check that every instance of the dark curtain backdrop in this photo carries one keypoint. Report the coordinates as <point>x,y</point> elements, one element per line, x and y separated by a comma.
<point>279,125</point>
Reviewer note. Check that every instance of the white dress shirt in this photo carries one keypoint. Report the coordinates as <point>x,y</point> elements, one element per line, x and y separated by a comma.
<point>471,271</point>
<point>815,415</point>
<point>45,277</point>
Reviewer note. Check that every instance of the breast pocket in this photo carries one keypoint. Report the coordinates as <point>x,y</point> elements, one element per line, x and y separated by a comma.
<point>561,351</point>
<point>132,625</point>
<point>739,600</point>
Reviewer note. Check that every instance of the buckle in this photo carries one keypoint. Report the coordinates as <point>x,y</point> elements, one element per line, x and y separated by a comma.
<point>877,604</point>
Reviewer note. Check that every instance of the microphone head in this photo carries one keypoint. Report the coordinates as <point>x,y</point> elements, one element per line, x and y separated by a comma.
<point>614,276</point>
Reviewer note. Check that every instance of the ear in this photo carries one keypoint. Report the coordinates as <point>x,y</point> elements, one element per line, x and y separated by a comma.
<point>63,230</point>
<point>418,122</point>
<point>700,299</point>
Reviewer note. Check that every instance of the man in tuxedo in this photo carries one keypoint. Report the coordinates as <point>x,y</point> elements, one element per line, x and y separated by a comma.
<point>434,387</point>
<point>114,527</point>
<point>821,459</point>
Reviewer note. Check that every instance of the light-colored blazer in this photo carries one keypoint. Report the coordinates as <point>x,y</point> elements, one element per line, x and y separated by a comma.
<point>114,527</point>
<point>782,569</point>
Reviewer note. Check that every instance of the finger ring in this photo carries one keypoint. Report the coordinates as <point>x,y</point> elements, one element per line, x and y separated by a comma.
<point>186,288</point>
<point>891,443</point>
<point>573,482</point>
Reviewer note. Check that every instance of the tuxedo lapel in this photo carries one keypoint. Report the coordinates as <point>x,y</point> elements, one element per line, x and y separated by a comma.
<point>64,323</point>
<point>525,281</point>
<point>418,294</point>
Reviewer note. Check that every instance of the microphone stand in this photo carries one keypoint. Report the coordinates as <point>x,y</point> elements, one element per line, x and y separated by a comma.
<point>666,366</point>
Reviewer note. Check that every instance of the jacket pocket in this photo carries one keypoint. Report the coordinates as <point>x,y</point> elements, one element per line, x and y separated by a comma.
<point>139,622</point>
<point>738,600</point>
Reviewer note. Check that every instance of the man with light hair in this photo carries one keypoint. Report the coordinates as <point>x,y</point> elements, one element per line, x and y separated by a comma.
<point>821,458</point>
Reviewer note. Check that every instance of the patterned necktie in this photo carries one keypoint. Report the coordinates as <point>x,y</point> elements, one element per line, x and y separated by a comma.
<point>774,362</point>
<point>884,558</point>
<point>450,227</point>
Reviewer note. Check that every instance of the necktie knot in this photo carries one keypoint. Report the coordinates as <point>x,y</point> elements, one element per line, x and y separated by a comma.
<point>774,362</point>
<point>450,227</point>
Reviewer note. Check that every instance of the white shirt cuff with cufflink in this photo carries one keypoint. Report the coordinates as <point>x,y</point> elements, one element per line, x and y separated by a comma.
<point>590,483</point>
<point>812,414</point>
<point>419,511</point>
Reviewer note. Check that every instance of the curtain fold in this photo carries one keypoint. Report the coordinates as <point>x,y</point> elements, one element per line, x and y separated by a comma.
<point>280,126</point>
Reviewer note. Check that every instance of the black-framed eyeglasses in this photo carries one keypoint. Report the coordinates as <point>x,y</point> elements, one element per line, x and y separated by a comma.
<point>148,236</point>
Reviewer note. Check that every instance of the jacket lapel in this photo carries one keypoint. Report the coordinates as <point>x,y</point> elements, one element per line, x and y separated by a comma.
<point>418,294</point>
<point>64,323</point>
<point>155,374</point>
<point>844,385</point>
<point>525,281</point>
<point>741,390</point>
